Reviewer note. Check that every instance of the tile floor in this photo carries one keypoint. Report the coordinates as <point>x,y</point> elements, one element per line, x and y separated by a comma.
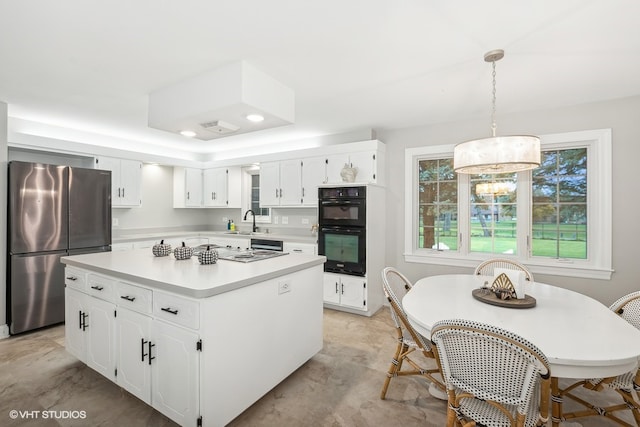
<point>337,387</point>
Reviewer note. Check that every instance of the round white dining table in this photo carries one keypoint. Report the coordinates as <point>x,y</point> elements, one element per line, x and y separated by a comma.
<point>580,336</point>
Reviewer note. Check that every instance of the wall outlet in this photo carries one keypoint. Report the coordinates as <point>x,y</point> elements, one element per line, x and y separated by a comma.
<point>225,219</point>
<point>114,222</point>
<point>285,220</point>
<point>284,287</point>
<point>305,221</point>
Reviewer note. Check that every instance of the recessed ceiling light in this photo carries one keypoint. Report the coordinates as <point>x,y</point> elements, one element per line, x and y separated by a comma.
<point>255,117</point>
<point>188,133</point>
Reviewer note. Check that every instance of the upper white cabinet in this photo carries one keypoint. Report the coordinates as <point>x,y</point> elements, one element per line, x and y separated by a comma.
<point>209,188</point>
<point>187,187</point>
<point>222,187</point>
<point>281,183</point>
<point>126,180</point>
<point>366,162</point>
<point>314,173</point>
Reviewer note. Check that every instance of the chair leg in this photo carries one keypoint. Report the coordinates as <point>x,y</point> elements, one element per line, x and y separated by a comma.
<point>396,364</point>
<point>633,405</point>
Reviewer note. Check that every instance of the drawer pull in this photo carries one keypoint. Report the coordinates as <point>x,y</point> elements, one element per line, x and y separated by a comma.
<point>97,288</point>
<point>72,278</point>
<point>169,310</point>
<point>128,298</point>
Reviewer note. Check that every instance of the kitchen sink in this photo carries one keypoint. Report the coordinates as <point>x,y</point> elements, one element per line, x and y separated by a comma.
<point>244,233</point>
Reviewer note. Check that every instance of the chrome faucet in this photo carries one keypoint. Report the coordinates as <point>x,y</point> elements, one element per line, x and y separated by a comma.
<point>254,228</point>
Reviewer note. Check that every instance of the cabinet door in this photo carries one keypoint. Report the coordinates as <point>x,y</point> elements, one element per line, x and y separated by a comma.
<point>100,337</point>
<point>331,283</point>
<point>270,184</point>
<point>353,292</point>
<point>291,183</point>
<point>193,187</point>
<point>366,163</point>
<point>335,163</point>
<point>313,175</point>
<point>134,366</point>
<point>73,332</point>
<point>113,165</point>
<point>215,187</point>
<point>175,372</point>
<point>130,182</point>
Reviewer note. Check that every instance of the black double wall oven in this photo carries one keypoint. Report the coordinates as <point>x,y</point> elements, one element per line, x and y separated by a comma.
<point>342,219</point>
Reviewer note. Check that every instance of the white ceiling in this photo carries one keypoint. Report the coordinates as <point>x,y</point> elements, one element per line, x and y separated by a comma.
<point>358,64</point>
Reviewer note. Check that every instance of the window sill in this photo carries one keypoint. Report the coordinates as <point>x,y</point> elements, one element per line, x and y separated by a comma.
<point>551,267</point>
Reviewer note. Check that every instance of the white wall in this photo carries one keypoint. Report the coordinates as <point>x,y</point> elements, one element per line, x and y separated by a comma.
<point>622,116</point>
<point>4,153</point>
<point>157,206</point>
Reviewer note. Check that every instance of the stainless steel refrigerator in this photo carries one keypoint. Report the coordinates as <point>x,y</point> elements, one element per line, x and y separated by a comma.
<point>53,211</point>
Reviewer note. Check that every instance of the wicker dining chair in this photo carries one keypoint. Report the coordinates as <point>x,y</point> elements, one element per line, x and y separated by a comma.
<point>626,385</point>
<point>486,267</point>
<point>493,377</point>
<point>395,286</point>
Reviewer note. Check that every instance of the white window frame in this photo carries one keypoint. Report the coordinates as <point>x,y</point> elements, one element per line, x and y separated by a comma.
<point>599,215</point>
<point>245,200</point>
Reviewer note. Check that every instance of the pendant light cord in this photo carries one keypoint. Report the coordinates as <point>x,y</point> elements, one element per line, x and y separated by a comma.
<point>493,102</point>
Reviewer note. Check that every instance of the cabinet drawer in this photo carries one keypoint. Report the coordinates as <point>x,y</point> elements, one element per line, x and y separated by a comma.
<point>101,287</point>
<point>133,297</point>
<point>75,278</point>
<point>176,309</point>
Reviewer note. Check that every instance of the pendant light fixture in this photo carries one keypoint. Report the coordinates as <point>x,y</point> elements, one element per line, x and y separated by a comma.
<point>496,154</point>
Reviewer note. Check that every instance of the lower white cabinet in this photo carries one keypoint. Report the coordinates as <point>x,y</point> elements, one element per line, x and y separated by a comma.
<point>345,291</point>
<point>155,360</point>
<point>90,331</point>
<point>300,248</point>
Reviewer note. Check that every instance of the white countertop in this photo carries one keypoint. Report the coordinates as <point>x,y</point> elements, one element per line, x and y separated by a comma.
<point>188,277</point>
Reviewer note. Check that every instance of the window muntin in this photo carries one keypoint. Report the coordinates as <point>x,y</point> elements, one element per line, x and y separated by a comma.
<point>493,219</point>
<point>559,211</point>
<point>438,205</point>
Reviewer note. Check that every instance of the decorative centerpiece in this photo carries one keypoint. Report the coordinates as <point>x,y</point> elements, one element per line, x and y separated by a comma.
<point>348,173</point>
<point>506,290</point>
<point>183,252</point>
<point>161,249</point>
<point>208,256</point>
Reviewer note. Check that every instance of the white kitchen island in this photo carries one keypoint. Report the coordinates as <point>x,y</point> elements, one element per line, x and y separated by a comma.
<point>200,343</point>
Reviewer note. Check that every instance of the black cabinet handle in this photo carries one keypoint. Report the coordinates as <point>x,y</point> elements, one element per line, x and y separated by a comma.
<point>72,278</point>
<point>97,288</point>
<point>150,347</point>
<point>122,191</point>
<point>336,287</point>
<point>84,321</point>
<point>79,319</point>
<point>128,298</point>
<point>142,343</point>
<point>169,310</point>
<point>342,286</point>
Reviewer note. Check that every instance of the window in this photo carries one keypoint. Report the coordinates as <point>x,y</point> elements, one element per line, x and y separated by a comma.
<point>251,195</point>
<point>542,218</point>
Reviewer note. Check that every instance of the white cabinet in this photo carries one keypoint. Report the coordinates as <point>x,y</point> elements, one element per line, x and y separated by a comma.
<point>222,187</point>
<point>175,372</point>
<point>187,187</point>
<point>300,248</point>
<point>134,365</point>
<point>346,291</point>
<point>291,182</point>
<point>314,173</point>
<point>114,328</point>
<point>281,183</point>
<point>193,187</point>
<point>366,162</point>
<point>90,331</point>
<point>159,363</point>
<point>126,180</point>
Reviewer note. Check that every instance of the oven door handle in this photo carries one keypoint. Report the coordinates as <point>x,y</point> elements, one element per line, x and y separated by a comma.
<point>342,230</point>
